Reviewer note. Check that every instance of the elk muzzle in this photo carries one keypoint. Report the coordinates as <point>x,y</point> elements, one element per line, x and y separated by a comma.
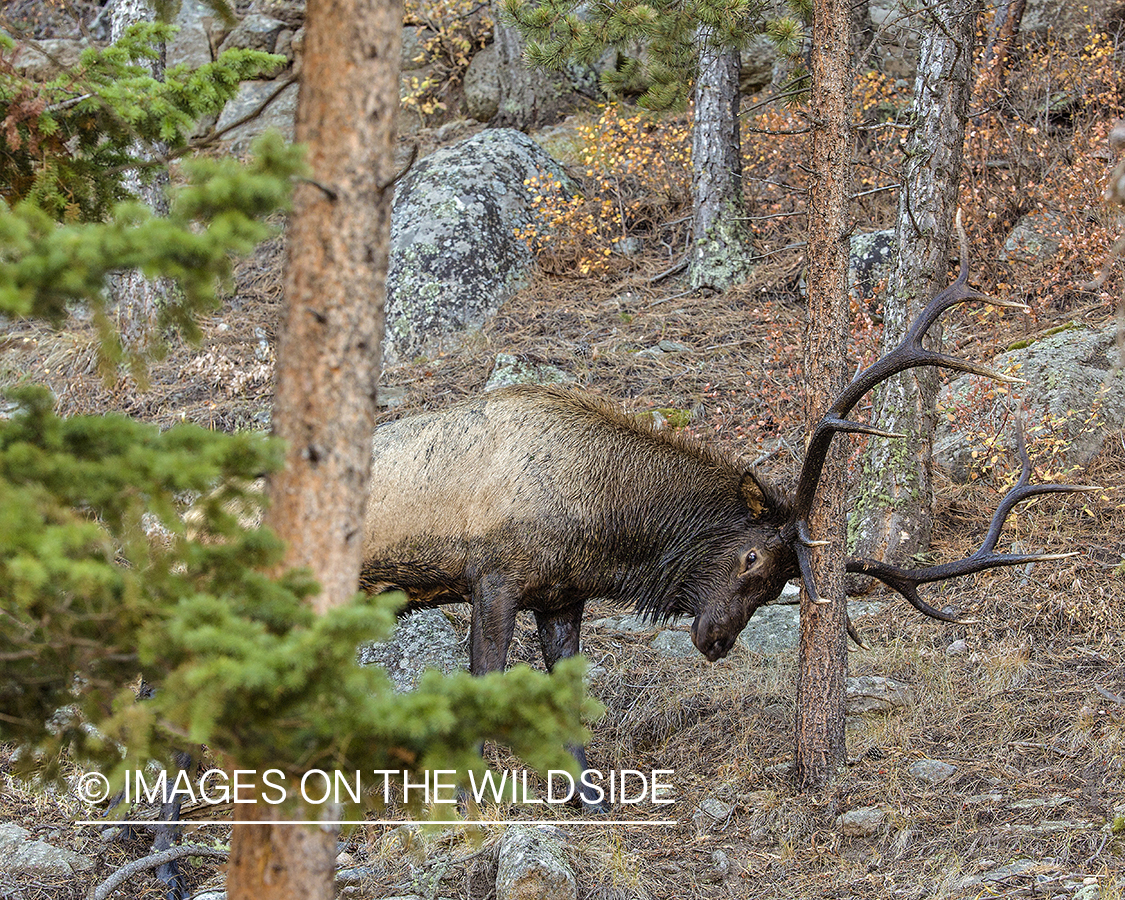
<point>713,637</point>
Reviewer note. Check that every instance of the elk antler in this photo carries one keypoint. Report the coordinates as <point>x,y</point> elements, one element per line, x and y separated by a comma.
<point>907,355</point>
<point>907,581</point>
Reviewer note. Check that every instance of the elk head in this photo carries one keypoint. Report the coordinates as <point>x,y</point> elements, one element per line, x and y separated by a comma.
<point>785,553</point>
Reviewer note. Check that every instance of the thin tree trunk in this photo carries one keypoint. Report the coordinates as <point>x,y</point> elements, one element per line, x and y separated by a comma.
<point>1002,35</point>
<point>139,299</point>
<point>328,364</point>
<point>822,653</point>
<point>720,240</point>
<point>893,514</point>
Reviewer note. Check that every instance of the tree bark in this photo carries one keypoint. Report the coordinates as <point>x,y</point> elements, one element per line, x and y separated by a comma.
<point>822,653</point>
<point>328,363</point>
<point>720,238</point>
<point>1002,35</point>
<point>893,514</point>
<point>138,299</point>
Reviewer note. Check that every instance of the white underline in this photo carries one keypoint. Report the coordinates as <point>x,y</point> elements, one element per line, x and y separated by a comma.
<point>558,823</point>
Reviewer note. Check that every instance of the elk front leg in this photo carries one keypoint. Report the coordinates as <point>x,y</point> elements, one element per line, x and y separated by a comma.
<point>494,599</point>
<point>559,639</point>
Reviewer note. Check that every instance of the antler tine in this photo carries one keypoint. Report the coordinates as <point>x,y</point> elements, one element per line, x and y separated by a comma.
<point>1022,490</point>
<point>907,581</point>
<point>910,354</point>
<point>902,581</point>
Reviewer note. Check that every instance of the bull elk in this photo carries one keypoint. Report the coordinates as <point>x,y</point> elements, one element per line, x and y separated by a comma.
<point>542,498</point>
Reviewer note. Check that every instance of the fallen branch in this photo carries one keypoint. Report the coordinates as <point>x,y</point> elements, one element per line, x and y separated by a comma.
<point>152,861</point>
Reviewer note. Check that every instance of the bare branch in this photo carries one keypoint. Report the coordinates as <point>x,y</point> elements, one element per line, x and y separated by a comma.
<point>153,861</point>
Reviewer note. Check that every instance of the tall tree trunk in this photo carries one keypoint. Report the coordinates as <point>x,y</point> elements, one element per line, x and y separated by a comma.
<point>822,653</point>
<point>894,509</point>
<point>720,239</point>
<point>138,299</point>
<point>328,363</point>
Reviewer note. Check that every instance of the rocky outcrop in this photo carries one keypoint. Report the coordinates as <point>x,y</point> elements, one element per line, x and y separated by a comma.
<point>533,867</point>
<point>1073,388</point>
<point>20,854</point>
<point>423,640</point>
<point>454,254</point>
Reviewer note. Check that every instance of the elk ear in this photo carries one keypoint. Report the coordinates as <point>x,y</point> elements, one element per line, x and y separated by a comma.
<point>755,494</point>
<point>762,497</point>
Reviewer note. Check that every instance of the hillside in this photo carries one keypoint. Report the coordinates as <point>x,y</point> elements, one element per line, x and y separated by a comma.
<point>1027,704</point>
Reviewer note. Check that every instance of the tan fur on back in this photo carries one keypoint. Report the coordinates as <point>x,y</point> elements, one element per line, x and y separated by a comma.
<point>515,455</point>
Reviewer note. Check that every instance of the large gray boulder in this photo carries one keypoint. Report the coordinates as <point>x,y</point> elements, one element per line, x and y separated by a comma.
<point>1071,381</point>
<point>255,32</point>
<point>199,28</point>
<point>454,254</point>
<point>47,58</point>
<point>281,114</point>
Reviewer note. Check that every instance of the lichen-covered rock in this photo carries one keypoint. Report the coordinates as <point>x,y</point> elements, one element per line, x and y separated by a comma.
<point>511,369</point>
<point>772,629</point>
<point>423,640</point>
<point>862,822</point>
<point>932,771</point>
<point>22,855</point>
<point>874,693</point>
<point>454,254</point>
<point>759,60</point>
<point>871,259</point>
<point>280,114</point>
<point>47,58</point>
<point>255,32</point>
<point>191,44</point>
<point>1071,386</point>
<point>415,47</point>
<point>533,867</point>
<point>1036,237</point>
<point>676,644</point>
<point>482,85</point>
<point>291,12</point>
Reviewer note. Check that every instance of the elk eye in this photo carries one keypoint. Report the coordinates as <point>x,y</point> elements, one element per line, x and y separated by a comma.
<point>749,558</point>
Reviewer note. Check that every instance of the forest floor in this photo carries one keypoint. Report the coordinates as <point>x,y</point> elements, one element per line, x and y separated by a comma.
<point>1029,708</point>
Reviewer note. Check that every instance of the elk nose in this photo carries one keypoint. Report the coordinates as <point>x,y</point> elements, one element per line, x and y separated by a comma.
<point>709,638</point>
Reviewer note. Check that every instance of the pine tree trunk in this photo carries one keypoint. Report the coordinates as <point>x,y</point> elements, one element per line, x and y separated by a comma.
<point>822,653</point>
<point>1002,35</point>
<point>720,239</point>
<point>328,364</point>
<point>893,513</point>
<point>138,299</point>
